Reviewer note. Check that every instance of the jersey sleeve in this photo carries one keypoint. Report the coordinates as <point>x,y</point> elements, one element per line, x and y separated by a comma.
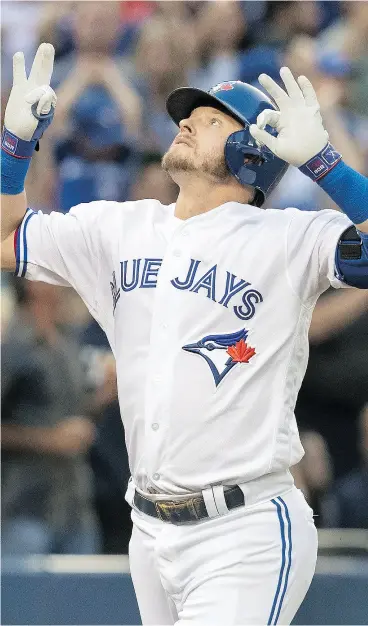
<point>311,243</point>
<point>62,249</point>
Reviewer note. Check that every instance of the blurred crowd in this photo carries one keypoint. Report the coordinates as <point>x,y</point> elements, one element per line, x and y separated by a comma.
<point>64,462</point>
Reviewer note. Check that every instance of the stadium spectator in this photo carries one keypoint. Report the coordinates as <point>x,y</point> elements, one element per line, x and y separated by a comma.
<point>220,28</point>
<point>98,117</point>
<point>47,430</point>
<point>55,26</point>
<point>19,28</point>
<point>283,20</point>
<point>314,473</point>
<point>8,305</point>
<point>335,387</point>
<point>108,454</point>
<point>346,132</point>
<point>346,37</point>
<point>154,182</point>
<point>163,61</point>
<point>346,506</point>
<point>342,52</point>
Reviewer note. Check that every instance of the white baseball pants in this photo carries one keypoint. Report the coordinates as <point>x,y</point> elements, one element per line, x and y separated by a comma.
<point>253,565</point>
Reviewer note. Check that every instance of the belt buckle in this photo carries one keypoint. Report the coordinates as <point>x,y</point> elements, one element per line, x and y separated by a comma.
<point>176,512</point>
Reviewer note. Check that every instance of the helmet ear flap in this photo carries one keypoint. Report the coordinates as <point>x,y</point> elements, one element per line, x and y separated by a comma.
<point>252,164</point>
<point>237,148</point>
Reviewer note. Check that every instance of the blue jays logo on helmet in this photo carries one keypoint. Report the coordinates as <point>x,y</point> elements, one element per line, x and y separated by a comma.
<point>250,163</point>
<point>222,352</point>
<point>223,86</point>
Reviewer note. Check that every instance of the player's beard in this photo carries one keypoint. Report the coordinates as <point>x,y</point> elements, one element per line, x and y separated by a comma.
<point>214,165</point>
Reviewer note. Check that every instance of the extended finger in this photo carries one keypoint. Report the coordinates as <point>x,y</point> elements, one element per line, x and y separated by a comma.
<point>19,69</point>
<point>276,92</point>
<point>309,94</point>
<point>42,66</point>
<point>291,85</point>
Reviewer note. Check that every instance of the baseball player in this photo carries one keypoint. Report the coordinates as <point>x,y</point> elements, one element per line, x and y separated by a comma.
<point>206,304</point>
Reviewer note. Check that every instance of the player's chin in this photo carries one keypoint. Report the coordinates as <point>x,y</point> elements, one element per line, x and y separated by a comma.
<point>174,160</point>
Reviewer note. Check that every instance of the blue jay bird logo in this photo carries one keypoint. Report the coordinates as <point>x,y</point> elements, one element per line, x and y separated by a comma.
<point>215,348</point>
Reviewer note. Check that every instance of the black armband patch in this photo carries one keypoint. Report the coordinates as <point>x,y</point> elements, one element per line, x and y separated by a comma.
<point>350,244</point>
<point>351,258</point>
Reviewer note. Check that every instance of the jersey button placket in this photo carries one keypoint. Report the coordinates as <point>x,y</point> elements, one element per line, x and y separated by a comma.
<point>161,335</point>
<point>180,236</point>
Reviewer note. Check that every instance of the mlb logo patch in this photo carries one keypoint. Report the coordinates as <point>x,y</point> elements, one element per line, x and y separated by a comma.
<point>9,142</point>
<point>330,155</point>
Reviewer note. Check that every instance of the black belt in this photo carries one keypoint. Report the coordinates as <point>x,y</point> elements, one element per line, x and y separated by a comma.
<point>184,511</point>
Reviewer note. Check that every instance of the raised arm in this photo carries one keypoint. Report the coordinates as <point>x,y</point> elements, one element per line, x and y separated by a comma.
<point>125,96</point>
<point>29,111</point>
<point>303,142</point>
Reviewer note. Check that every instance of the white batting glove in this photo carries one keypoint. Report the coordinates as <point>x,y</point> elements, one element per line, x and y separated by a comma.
<point>298,122</point>
<point>19,118</point>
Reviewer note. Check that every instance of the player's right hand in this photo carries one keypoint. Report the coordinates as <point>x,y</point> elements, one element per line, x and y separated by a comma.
<point>25,92</point>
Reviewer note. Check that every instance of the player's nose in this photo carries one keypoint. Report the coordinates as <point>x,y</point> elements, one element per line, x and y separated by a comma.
<point>187,125</point>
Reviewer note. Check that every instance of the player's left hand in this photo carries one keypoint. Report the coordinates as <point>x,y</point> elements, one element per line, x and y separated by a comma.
<point>298,122</point>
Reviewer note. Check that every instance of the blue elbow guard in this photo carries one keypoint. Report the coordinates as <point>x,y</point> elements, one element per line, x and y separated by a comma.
<point>351,259</point>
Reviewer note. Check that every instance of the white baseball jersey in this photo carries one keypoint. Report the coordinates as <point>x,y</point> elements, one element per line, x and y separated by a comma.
<point>208,319</point>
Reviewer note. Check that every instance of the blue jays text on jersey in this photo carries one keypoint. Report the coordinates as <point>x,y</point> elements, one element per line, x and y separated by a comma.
<point>143,273</point>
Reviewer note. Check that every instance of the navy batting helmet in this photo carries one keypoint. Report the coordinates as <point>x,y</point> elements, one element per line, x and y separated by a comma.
<point>250,163</point>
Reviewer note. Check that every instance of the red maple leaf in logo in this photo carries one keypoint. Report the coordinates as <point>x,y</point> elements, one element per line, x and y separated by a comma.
<point>225,87</point>
<point>241,352</point>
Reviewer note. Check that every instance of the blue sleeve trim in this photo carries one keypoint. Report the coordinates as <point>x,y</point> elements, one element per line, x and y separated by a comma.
<point>21,252</point>
<point>349,190</point>
<point>16,243</point>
